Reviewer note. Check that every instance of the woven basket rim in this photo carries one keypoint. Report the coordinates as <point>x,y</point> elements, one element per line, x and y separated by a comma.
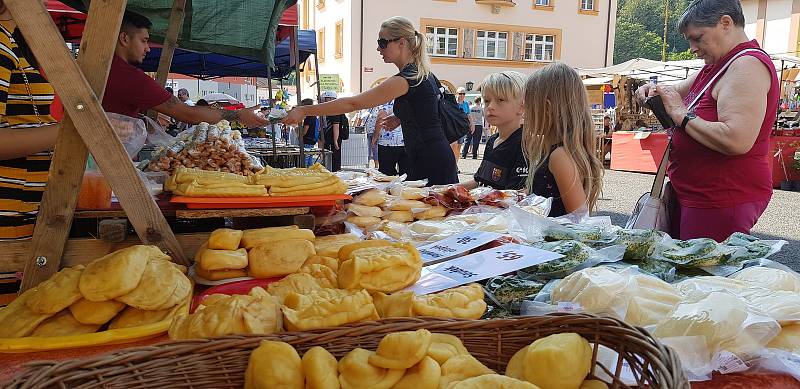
<point>661,362</point>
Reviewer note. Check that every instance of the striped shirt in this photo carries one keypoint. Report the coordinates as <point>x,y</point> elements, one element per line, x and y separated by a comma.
<point>22,180</point>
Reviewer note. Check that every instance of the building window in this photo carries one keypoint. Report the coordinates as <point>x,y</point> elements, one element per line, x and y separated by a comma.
<point>539,47</point>
<point>442,41</point>
<point>542,3</point>
<point>587,5</point>
<point>492,44</point>
<point>306,14</point>
<point>321,44</point>
<point>339,39</point>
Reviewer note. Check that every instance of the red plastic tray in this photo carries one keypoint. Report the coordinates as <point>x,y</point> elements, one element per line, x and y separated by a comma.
<point>238,287</point>
<point>258,202</point>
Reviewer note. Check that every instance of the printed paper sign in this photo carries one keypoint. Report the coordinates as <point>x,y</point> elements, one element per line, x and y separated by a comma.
<point>479,266</point>
<point>455,245</point>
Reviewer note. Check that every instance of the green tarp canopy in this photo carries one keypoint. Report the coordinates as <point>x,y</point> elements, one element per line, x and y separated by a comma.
<point>244,28</point>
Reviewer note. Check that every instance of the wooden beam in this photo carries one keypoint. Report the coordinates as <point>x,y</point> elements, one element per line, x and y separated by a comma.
<point>90,120</point>
<point>84,250</point>
<point>170,43</point>
<point>170,40</point>
<point>69,162</point>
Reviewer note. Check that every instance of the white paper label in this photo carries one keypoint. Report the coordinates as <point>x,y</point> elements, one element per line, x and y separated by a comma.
<point>728,362</point>
<point>479,266</point>
<point>455,245</point>
<point>568,307</point>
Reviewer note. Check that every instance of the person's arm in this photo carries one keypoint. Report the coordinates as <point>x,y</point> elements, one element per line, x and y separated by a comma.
<point>471,124</point>
<point>741,106</point>
<point>194,114</point>
<point>388,90</point>
<point>378,120</point>
<point>569,182</point>
<point>335,127</point>
<point>22,142</point>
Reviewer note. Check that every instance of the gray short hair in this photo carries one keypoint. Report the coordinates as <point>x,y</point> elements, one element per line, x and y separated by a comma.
<point>707,13</point>
<point>183,90</point>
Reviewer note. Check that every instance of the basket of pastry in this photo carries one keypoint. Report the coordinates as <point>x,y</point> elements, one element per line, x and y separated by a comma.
<point>561,351</point>
<point>130,294</point>
<point>372,332</point>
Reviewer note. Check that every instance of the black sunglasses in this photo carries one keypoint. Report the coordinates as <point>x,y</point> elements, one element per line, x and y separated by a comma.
<point>384,43</point>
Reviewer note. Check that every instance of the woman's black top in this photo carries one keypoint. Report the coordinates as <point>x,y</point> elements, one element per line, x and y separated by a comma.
<point>418,111</point>
<point>544,184</point>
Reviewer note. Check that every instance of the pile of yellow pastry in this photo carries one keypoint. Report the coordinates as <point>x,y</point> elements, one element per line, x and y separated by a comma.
<point>402,204</point>
<point>314,180</point>
<point>135,286</point>
<point>422,360</point>
<point>363,281</point>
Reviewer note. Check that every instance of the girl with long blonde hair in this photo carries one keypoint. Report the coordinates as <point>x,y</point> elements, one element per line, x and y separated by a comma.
<point>415,93</point>
<point>559,138</point>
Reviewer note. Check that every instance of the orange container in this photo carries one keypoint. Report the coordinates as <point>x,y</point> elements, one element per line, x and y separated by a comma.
<point>95,192</point>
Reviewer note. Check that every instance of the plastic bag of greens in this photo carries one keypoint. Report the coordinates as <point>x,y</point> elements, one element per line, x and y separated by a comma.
<point>592,234</point>
<point>509,291</point>
<point>640,243</point>
<point>693,253</point>
<point>748,250</point>
<point>577,256</point>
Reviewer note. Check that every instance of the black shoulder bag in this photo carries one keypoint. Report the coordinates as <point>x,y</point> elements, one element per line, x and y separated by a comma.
<point>455,122</point>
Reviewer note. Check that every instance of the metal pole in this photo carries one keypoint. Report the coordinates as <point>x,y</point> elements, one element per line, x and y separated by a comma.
<point>778,113</point>
<point>269,100</point>
<point>296,52</point>
<point>666,24</point>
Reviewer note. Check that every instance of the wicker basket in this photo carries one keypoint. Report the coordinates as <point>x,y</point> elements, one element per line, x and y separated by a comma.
<point>220,363</point>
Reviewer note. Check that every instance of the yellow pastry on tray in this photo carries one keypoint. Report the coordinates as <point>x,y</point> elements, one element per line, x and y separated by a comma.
<point>401,350</point>
<point>18,320</point>
<point>274,365</point>
<point>328,246</point>
<point>118,273</point>
<point>464,302</point>
<point>339,187</point>
<point>210,259</point>
<point>256,237</point>
<point>384,268</point>
<point>372,197</point>
<point>320,369</point>
<point>63,324</point>
<point>157,287</point>
<point>327,308</point>
<point>57,293</point>
<point>95,312</point>
<point>445,346</point>
<point>461,367</point>
<point>225,239</point>
<point>221,189</point>
<point>134,317</point>
<point>256,313</point>
<point>330,262</point>
<point>426,374</point>
<point>356,372</point>
<point>218,275</point>
<point>398,304</point>
<point>279,258</point>
<point>301,283</point>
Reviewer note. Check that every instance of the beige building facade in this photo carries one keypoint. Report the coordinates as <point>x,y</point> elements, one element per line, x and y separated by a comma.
<point>774,23</point>
<point>468,39</point>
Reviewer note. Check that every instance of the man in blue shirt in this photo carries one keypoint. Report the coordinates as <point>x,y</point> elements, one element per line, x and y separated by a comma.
<point>456,146</point>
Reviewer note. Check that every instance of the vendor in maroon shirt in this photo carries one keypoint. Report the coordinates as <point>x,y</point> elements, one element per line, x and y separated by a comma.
<point>719,164</point>
<point>129,91</point>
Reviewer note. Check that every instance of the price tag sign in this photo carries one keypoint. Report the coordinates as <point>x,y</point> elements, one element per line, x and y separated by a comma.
<point>455,245</point>
<point>479,266</point>
<point>568,307</point>
<point>728,362</point>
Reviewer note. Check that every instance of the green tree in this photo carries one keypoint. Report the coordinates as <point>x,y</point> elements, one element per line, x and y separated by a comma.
<point>649,14</point>
<point>634,41</point>
<point>680,56</point>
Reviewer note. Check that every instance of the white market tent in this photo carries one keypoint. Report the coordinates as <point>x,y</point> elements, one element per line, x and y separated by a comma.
<point>667,72</point>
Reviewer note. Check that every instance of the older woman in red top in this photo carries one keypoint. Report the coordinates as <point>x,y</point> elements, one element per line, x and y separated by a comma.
<point>719,164</point>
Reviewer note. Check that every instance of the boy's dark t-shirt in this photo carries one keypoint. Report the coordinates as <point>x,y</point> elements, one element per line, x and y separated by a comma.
<point>504,167</point>
<point>329,122</point>
<point>310,137</point>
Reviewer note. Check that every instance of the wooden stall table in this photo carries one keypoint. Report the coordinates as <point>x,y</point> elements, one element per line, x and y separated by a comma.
<point>637,151</point>
<point>789,144</point>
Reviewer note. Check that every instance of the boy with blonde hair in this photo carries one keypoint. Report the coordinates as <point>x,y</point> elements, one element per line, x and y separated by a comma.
<point>504,166</point>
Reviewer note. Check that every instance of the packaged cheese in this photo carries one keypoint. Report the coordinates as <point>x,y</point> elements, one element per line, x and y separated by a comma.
<point>597,289</point>
<point>773,279</point>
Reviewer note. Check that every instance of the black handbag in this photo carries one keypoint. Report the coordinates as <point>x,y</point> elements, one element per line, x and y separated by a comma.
<point>455,122</point>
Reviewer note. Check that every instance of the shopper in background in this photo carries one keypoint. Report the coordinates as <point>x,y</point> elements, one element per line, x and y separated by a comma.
<point>415,96</point>
<point>504,165</point>
<point>28,132</point>
<point>559,139</point>
<point>369,119</point>
<point>461,93</point>
<point>391,149</point>
<point>720,163</point>
<point>474,137</point>
<point>183,96</point>
<point>332,131</point>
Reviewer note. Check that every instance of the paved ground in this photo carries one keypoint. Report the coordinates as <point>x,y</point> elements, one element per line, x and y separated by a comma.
<point>621,190</point>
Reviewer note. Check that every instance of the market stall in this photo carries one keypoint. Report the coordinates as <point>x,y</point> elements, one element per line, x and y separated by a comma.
<point>637,151</point>
<point>403,285</point>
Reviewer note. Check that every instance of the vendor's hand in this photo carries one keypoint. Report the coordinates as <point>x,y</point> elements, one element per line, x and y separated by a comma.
<point>250,119</point>
<point>295,116</point>
<point>673,103</point>
<point>389,123</point>
<point>645,91</point>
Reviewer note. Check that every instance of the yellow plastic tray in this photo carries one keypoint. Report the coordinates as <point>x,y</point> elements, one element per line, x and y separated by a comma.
<point>122,335</point>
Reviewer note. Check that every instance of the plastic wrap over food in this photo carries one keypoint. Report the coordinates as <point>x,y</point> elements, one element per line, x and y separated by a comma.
<point>730,328</point>
<point>747,250</point>
<point>770,277</point>
<point>597,290</point>
<point>576,256</point>
<point>131,132</point>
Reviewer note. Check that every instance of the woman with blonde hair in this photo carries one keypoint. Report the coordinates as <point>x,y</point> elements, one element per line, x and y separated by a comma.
<point>415,93</point>
<point>559,140</point>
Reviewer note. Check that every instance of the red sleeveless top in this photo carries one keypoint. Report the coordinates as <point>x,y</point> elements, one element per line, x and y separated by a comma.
<point>704,178</point>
